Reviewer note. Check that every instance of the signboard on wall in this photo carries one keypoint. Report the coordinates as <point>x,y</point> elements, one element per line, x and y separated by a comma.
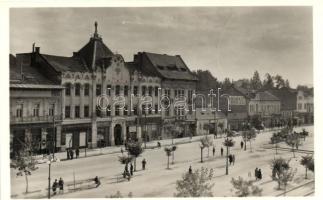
<point>132,129</point>
<point>82,139</point>
<point>69,140</point>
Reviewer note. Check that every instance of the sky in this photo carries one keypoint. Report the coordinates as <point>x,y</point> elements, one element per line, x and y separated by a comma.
<point>228,41</point>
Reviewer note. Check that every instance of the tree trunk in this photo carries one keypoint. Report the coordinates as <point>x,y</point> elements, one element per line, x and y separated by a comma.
<point>227,162</point>
<point>305,172</point>
<point>26,177</point>
<point>201,155</point>
<point>167,162</point>
<point>134,163</point>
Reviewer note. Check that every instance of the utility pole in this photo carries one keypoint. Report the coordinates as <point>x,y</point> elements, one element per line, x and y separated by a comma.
<point>54,133</point>
<point>48,194</point>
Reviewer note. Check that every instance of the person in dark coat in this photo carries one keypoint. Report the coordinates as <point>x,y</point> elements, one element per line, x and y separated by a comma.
<point>144,162</point>
<point>230,159</point>
<point>221,151</point>
<point>131,169</point>
<point>259,174</point>
<point>68,154</point>
<point>77,152</point>
<point>241,144</point>
<point>256,173</point>
<point>190,170</point>
<point>61,185</point>
<point>97,181</point>
<point>54,187</point>
<point>213,151</point>
<point>72,154</point>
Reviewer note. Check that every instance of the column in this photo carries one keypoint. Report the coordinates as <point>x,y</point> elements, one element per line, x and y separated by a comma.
<point>111,134</point>
<point>58,135</point>
<point>82,101</point>
<point>124,131</point>
<point>72,109</point>
<point>63,104</point>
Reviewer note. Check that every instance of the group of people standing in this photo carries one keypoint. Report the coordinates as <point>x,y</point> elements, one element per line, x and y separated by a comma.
<point>58,185</point>
<point>128,171</point>
<point>232,159</point>
<point>70,153</point>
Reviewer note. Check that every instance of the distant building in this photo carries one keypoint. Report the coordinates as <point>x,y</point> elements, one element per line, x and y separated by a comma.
<point>305,106</point>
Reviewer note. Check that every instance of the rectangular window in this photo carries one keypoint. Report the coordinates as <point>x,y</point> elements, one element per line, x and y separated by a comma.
<point>143,90</point>
<point>36,110</point>
<point>117,110</point>
<point>125,90</point>
<point>125,110</point>
<point>19,110</point>
<point>67,111</point>
<point>68,89</point>
<point>77,111</point>
<point>135,90</point>
<point>98,90</point>
<point>156,108</point>
<point>117,90</point>
<point>108,110</point>
<point>150,91</point>
<point>86,111</point>
<point>156,91</point>
<point>109,90</point>
<point>77,89</point>
<point>51,110</point>
<point>86,90</point>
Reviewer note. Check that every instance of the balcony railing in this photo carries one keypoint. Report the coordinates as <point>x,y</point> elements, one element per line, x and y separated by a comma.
<point>33,119</point>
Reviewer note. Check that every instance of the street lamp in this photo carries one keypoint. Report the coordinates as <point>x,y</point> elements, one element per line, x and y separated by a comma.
<point>49,162</point>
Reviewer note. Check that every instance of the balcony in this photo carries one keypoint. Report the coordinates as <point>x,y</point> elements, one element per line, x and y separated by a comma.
<point>32,119</point>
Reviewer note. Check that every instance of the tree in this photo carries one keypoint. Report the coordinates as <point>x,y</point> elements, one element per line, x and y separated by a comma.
<point>281,172</point>
<point>226,83</point>
<point>268,82</point>
<point>203,144</point>
<point>293,140</point>
<point>168,151</point>
<point>255,81</point>
<point>25,162</point>
<point>280,82</point>
<point>228,142</point>
<point>196,184</point>
<point>275,139</point>
<point>248,135</point>
<point>172,130</point>
<point>307,162</point>
<point>135,149</point>
<point>245,188</point>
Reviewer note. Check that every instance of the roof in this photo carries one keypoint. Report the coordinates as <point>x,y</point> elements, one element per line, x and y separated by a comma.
<point>132,66</point>
<point>287,97</point>
<point>265,96</point>
<point>24,73</point>
<point>36,86</point>
<point>94,47</point>
<point>170,67</point>
<point>61,63</point>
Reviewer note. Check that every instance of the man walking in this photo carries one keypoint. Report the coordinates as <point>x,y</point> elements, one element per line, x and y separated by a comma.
<point>54,187</point>
<point>144,164</point>
<point>61,185</point>
<point>241,144</point>
<point>97,181</point>
<point>230,159</point>
<point>256,173</point>
<point>213,151</point>
<point>77,152</point>
<point>221,151</point>
<point>190,170</point>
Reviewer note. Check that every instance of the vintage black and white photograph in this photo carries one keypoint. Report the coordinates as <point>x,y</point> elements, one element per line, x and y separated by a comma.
<point>185,101</point>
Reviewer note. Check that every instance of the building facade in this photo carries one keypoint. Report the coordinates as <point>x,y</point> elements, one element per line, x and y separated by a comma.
<point>105,101</point>
<point>305,106</point>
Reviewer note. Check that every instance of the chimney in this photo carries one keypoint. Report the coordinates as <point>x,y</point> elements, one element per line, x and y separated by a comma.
<point>37,49</point>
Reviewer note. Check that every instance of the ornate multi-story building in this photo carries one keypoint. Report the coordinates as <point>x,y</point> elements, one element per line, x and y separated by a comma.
<point>105,100</point>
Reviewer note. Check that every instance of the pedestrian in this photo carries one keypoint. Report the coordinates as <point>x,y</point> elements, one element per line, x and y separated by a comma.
<point>68,154</point>
<point>190,170</point>
<point>144,162</point>
<point>241,144</point>
<point>121,150</point>
<point>72,153</point>
<point>77,152</point>
<point>131,169</point>
<point>256,173</point>
<point>221,151</point>
<point>97,181</point>
<point>230,159</point>
<point>54,187</point>
<point>61,185</point>
<point>213,151</point>
<point>259,174</point>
